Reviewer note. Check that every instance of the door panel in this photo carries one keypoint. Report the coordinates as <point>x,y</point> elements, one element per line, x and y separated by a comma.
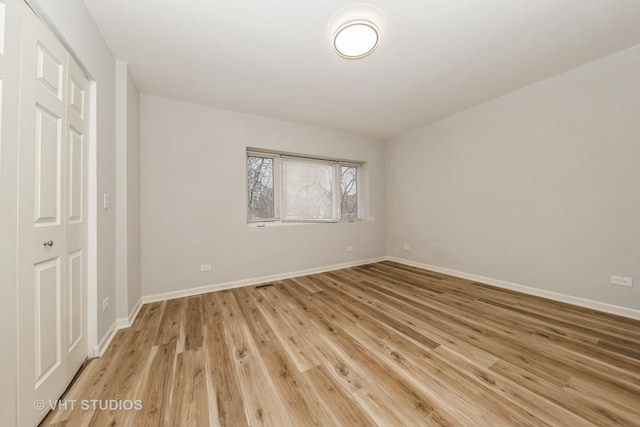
<point>77,94</point>
<point>75,299</point>
<point>48,147</point>
<point>50,71</point>
<point>47,319</point>
<point>75,176</point>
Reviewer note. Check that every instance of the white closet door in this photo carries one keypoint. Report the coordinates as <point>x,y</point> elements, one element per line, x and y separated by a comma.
<point>52,219</point>
<point>76,217</point>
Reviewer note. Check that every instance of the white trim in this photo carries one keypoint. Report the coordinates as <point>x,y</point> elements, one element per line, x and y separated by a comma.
<point>260,152</point>
<point>122,248</point>
<point>100,349</point>
<point>581,302</point>
<point>569,299</point>
<point>126,322</point>
<point>92,226</point>
<point>254,281</point>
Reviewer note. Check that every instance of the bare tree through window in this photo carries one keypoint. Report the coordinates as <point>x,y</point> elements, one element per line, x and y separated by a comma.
<point>308,190</point>
<point>260,188</point>
<point>291,188</point>
<point>349,187</point>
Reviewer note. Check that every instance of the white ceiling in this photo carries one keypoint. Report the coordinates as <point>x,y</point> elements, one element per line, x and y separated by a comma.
<point>274,57</point>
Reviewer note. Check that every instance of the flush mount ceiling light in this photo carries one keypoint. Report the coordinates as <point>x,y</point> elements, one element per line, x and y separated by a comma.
<point>355,30</point>
<point>356,39</point>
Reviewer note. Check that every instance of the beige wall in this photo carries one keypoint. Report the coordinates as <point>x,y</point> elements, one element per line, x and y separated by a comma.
<point>539,187</point>
<point>194,198</point>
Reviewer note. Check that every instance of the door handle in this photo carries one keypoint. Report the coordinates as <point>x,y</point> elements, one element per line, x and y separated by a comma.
<point>49,243</point>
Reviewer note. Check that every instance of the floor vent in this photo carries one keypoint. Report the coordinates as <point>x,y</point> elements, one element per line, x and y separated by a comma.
<point>266,285</point>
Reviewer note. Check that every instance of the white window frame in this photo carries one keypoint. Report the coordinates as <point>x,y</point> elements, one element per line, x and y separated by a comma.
<point>359,199</point>
<point>278,188</point>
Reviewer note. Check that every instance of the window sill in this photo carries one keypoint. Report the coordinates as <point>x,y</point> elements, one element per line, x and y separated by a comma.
<point>280,223</point>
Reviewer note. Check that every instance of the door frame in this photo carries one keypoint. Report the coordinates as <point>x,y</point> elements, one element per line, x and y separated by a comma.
<point>9,145</point>
<point>92,214</point>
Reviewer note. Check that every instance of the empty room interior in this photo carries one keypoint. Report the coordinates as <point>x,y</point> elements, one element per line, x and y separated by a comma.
<point>336,213</point>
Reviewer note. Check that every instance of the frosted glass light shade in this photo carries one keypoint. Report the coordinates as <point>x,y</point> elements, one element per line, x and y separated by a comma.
<point>356,39</point>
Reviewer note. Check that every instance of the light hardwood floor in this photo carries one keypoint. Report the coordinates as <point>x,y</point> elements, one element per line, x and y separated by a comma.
<point>382,344</point>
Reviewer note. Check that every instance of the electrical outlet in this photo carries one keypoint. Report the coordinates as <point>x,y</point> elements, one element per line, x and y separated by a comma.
<point>205,267</point>
<point>622,281</point>
<point>407,247</point>
<point>105,304</point>
<point>349,248</point>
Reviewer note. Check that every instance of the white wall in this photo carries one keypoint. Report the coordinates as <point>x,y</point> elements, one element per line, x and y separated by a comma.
<point>122,292</point>
<point>134,280</point>
<point>539,187</point>
<point>73,22</point>
<point>128,285</point>
<point>194,198</point>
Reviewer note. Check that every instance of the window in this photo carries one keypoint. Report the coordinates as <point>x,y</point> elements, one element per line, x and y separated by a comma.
<point>260,186</point>
<point>297,189</point>
<point>349,192</point>
<point>307,190</point>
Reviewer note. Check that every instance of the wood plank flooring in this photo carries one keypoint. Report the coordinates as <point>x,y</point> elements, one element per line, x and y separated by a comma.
<point>382,344</point>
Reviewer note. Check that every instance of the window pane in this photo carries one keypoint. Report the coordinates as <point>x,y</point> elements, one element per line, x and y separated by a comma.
<point>308,193</point>
<point>260,188</point>
<point>349,187</point>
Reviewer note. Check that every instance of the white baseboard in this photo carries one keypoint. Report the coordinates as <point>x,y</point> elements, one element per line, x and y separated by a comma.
<point>126,322</point>
<point>581,302</point>
<point>254,281</point>
<point>103,345</point>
